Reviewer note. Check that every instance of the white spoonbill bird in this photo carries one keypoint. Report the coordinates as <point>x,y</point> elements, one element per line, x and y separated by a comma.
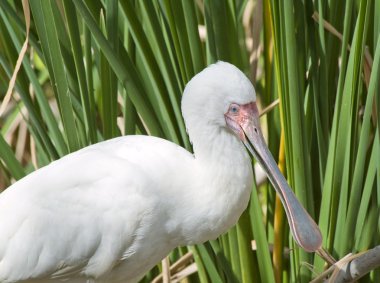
<point>111,211</point>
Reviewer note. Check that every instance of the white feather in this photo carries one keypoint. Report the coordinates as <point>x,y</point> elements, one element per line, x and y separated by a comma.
<point>111,211</point>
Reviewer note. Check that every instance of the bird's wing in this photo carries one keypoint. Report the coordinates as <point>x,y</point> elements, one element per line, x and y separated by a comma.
<point>69,271</point>
<point>80,214</point>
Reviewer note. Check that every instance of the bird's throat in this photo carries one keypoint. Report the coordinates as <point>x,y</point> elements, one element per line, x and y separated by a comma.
<point>222,188</point>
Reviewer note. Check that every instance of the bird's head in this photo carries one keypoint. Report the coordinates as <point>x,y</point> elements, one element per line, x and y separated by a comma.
<point>222,97</point>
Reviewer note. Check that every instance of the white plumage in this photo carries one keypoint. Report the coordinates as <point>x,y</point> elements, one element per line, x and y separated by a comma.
<point>111,211</point>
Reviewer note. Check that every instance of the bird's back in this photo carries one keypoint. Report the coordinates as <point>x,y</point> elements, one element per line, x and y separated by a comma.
<point>86,214</point>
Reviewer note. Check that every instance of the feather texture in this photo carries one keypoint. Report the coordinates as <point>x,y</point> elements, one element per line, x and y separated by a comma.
<point>111,211</point>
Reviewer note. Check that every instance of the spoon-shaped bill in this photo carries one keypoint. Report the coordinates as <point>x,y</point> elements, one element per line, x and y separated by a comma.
<point>305,231</point>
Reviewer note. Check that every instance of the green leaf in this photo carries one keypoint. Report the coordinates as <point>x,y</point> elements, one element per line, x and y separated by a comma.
<point>10,161</point>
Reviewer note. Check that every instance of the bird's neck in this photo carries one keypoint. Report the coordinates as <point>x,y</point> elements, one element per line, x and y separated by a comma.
<point>222,184</point>
<point>219,149</point>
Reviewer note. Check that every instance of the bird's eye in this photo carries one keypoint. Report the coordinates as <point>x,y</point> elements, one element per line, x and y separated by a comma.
<point>234,109</point>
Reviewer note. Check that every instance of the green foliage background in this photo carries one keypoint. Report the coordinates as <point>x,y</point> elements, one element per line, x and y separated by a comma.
<point>99,69</point>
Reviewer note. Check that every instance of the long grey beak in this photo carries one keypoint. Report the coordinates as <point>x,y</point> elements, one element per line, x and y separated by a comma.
<point>305,231</point>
